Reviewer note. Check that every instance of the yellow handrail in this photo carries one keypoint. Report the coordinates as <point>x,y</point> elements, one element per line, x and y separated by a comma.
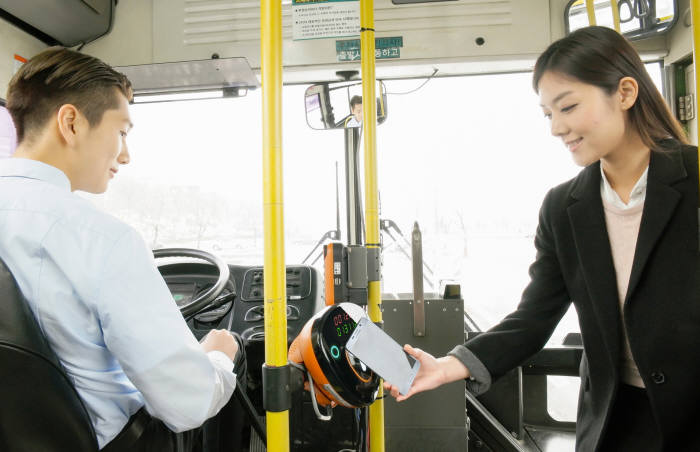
<point>590,8</point>
<point>616,15</point>
<point>695,15</point>
<point>273,212</point>
<point>369,119</point>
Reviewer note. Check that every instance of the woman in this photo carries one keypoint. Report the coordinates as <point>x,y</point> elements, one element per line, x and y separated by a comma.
<point>620,241</point>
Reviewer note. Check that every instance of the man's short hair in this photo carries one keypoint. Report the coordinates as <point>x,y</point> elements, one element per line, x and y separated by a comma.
<point>59,76</point>
<point>355,100</point>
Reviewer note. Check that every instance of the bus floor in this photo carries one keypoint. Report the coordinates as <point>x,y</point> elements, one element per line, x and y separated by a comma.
<point>537,439</point>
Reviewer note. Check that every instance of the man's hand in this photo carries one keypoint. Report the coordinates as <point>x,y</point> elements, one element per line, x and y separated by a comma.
<point>433,372</point>
<point>221,340</point>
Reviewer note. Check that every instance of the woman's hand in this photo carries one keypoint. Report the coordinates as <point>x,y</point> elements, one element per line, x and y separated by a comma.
<point>433,372</point>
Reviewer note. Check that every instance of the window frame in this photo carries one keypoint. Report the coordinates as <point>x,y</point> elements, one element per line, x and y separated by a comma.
<point>640,34</point>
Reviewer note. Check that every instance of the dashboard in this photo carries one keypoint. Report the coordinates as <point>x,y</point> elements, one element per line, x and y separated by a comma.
<point>244,313</point>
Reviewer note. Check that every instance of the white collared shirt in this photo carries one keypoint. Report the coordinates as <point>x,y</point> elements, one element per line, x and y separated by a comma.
<point>637,195</point>
<point>352,122</point>
<point>96,293</point>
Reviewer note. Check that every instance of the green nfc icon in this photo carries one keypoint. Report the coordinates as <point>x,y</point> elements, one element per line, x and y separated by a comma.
<point>335,351</point>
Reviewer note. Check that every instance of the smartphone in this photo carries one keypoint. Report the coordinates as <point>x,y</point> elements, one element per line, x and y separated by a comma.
<point>378,351</point>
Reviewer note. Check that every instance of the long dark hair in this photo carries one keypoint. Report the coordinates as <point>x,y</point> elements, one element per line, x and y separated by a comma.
<point>601,57</point>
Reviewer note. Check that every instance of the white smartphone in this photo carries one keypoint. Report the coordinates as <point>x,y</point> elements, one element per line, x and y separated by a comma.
<point>378,351</point>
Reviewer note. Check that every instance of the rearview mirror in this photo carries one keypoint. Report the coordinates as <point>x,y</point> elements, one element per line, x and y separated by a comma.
<point>338,105</point>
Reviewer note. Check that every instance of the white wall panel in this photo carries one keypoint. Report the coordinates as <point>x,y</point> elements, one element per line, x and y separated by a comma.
<point>680,39</point>
<point>131,39</point>
<point>195,29</point>
<point>14,41</point>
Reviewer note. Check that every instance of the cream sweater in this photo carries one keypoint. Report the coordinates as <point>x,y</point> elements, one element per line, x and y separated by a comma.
<point>623,229</point>
<point>622,221</point>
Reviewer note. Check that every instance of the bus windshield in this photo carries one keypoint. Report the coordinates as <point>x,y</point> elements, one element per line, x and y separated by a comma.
<point>468,158</point>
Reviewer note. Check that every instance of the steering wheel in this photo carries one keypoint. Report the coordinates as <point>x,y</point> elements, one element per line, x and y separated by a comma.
<point>203,301</point>
<point>210,295</point>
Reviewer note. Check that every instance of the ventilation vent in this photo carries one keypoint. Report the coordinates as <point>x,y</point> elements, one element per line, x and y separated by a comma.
<point>215,21</point>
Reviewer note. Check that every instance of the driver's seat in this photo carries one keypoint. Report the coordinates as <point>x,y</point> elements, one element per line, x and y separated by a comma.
<point>39,407</point>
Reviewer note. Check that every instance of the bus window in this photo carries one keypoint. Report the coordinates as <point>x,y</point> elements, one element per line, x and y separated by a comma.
<point>195,177</point>
<point>562,397</point>
<point>470,158</point>
<point>637,19</point>
<point>191,176</point>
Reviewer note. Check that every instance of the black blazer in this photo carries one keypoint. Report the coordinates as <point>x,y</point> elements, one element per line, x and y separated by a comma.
<point>662,309</point>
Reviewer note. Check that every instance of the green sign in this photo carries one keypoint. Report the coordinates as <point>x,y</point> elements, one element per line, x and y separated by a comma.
<point>384,48</point>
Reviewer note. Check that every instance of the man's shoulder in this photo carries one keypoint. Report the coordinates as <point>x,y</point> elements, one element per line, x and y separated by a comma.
<point>82,215</point>
<point>49,207</point>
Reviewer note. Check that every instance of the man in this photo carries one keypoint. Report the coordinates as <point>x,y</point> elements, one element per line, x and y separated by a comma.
<point>355,118</point>
<point>90,279</point>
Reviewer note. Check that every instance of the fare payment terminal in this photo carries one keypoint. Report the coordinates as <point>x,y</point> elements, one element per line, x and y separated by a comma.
<point>334,374</point>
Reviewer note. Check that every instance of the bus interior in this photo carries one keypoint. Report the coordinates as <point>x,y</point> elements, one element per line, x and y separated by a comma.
<point>456,212</point>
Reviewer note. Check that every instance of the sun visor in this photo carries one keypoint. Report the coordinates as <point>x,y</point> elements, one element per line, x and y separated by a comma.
<point>65,22</point>
<point>227,75</point>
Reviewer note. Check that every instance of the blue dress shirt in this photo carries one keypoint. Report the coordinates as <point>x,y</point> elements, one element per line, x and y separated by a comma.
<point>106,311</point>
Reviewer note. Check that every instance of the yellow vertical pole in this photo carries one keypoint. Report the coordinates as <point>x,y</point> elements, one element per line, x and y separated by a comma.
<point>695,15</point>
<point>369,119</point>
<point>590,8</point>
<point>273,212</point>
<point>615,14</point>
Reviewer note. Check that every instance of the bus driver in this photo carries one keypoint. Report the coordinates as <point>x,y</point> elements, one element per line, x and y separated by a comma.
<point>90,279</point>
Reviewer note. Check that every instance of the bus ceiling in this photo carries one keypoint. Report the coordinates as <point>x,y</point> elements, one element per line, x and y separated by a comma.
<point>455,37</point>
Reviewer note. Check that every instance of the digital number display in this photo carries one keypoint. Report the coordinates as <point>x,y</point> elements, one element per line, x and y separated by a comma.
<point>337,329</point>
<point>182,292</point>
<point>344,324</point>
